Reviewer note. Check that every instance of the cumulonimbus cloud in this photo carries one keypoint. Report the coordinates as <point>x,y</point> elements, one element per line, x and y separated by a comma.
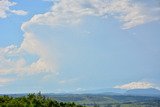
<point>65,12</point>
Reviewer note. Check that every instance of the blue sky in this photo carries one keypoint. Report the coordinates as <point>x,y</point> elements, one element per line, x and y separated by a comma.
<point>74,45</point>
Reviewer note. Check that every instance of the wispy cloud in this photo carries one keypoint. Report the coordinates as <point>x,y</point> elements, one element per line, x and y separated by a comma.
<point>68,81</point>
<point>5,9</point>
<point>4,81</point>
<point>19,12</point>
<point>136,85</point>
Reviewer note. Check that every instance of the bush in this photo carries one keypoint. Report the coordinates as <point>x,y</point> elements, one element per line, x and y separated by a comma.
<point>33,100</point>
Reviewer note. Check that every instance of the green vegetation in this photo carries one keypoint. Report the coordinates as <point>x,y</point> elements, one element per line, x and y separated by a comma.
<point>32,100</point>
<point>80,100</point>
<point>95,100</point>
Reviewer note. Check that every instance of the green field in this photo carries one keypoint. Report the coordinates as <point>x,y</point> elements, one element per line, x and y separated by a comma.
<point>109,100</point>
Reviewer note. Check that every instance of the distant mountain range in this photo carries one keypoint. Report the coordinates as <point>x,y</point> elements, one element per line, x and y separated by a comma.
<point>107,91</point>
<point>143,92</point>
<point>113,91</point>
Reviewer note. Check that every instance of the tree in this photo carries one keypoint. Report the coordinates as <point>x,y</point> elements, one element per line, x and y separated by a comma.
<point>33,100</point>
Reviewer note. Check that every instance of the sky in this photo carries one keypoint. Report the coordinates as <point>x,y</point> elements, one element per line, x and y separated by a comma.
<point>56,46</point>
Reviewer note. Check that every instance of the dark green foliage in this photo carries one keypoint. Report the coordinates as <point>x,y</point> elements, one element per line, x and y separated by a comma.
<point>33,100</point>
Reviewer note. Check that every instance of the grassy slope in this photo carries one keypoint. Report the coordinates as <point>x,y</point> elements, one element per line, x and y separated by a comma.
<point>110,101</point>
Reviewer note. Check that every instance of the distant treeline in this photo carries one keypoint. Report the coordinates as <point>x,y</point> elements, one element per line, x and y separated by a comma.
<point>33,100</point>
<point>102,100</point>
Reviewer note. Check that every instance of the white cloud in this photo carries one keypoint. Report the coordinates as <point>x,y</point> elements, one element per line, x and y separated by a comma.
<point>72,11</point>
<point>136,85</point>
<point>4,81</point>
<point>68,81</point>
<point>80,89</point>
<point>32,45</point>
<point>65,12</point>
<point>13,61</point>
<point>50,0</point>
<point>5,9</point>
<point>19,12</point>
<point>5,63</point>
